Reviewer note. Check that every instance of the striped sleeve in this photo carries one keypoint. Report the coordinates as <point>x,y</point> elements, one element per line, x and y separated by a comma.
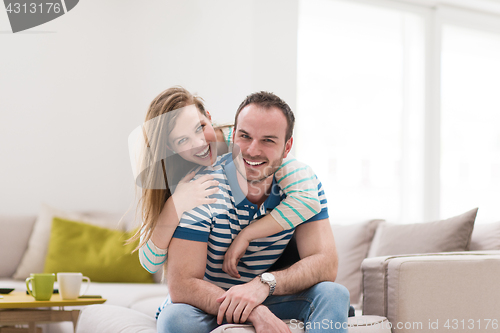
<point>227,132</point>
<point>195,224</point>
<point>152,257</point>
<point>302,202</point>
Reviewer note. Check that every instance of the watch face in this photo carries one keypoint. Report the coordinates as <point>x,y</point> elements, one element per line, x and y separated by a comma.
<point>268,277</point>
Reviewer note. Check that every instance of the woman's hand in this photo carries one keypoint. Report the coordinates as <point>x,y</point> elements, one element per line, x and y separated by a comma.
<point>233,255</point>
<point>264,227</point>
<point>264,321</point>
<point>190,194</point>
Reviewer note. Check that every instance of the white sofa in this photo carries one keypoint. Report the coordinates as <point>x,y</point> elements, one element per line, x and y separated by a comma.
<point>391,289</point>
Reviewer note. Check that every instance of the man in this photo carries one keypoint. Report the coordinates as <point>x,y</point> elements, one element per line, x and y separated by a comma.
<point>305,291</point>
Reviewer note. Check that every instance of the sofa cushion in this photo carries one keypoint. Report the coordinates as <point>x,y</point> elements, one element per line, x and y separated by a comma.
<point>485,237</point>
<point>14,235</point>
<point>353,243</point>
<point>33,260</point>
<point>130,294</point>
<point>448,235</point>
<point>149,306</point>
<point>114,319</point>
<point>96,252</point>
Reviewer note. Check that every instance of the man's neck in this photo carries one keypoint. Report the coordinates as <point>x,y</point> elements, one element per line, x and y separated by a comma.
<point>255,192</point>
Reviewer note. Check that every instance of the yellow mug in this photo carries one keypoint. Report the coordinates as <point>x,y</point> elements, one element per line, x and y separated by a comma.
<point>42,286</point>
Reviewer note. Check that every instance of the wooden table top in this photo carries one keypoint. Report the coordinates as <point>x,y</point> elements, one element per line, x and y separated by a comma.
<point>17,300</point>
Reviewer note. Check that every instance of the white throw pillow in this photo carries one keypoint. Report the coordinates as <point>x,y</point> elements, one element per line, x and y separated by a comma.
<point>33,260</point>
<point>14,235</point>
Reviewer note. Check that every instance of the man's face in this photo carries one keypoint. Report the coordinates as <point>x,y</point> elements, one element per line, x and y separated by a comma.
<point>260,135</point>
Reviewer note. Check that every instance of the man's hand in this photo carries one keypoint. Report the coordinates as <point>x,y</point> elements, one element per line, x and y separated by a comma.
<point>233,255</point>
<point>238,302</point>
<point>264,321</point>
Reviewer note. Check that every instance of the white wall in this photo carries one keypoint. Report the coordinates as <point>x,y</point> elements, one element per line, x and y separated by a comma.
<point>72,90</point>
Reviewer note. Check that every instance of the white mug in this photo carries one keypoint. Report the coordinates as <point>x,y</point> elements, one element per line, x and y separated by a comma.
<point>70,283</point>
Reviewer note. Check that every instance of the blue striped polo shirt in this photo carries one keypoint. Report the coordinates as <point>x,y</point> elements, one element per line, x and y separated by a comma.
<point>219,223</point>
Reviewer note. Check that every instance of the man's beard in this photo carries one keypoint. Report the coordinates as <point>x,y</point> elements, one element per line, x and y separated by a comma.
<point>261,175</point>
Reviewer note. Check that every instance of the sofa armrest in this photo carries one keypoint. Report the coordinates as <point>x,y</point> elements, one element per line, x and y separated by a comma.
<point>458,289</point>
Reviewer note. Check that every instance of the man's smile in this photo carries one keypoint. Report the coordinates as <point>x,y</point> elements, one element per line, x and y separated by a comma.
<point>253,163</point>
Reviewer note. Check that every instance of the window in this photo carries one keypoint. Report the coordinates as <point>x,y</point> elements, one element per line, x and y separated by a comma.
<point>470,134</point>
<point>361,106</point>
<point>398,109</point>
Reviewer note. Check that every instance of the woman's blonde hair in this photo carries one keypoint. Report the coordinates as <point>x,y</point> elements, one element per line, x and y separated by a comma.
<point>153,198</point>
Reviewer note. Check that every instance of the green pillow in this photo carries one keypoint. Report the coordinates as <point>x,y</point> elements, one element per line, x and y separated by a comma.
<point>99,253</point>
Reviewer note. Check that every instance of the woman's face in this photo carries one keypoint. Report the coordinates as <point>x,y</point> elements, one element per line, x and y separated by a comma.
<point>193,137</point>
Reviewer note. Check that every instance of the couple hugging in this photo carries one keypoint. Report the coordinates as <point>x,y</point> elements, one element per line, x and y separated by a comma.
<point>226,220</point>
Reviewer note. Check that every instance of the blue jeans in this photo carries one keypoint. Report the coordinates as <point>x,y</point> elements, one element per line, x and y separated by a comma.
<point>321,308</point>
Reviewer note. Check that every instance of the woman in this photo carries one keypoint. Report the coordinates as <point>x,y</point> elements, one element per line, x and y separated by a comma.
<point>166,188</point>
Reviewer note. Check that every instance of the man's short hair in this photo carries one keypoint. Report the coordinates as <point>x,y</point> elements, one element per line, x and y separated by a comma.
<point>268,100</point>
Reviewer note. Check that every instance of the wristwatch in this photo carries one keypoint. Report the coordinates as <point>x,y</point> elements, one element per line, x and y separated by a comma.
<point>269,279</point>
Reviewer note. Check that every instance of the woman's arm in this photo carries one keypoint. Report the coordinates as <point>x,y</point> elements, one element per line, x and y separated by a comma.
<point>187,195</point>
<point>151,256</point>
<point>264,227</point>
<point>300,185</point>
<point>154,252</point>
